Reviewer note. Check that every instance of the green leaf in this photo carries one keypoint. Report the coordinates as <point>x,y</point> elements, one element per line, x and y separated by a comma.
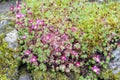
<point>105,66</point>
<point>93,62</point>
<point>40,51</point>
<point>105,53</point>
<point>84,56</point>
<point>102,62</point>
<point>43,67</point>
<point>48,14</point>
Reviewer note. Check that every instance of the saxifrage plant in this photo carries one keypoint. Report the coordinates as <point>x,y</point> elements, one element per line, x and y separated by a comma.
<point>76,38</point>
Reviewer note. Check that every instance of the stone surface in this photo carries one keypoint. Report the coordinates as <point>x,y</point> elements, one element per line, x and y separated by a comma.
<point>3,23</point>
<point>5,6</point>
<point>25,77</point>
<point>11,38</point>
<point>23,73</point>
<point>115,63</point>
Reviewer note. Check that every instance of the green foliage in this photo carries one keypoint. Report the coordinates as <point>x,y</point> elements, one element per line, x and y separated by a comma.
<point>8,63</point>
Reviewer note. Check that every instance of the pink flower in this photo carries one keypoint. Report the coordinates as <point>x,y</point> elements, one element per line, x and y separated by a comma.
<point>68,46</point>
<point>47,37</point>
<point>97,58</point>
<point>96,69</point>
<point>73,29</point>
<point>34,26</point>
<point>64,36</point>
<point>30,21</point>
<point>27,52</point>
<point>18,7</point>
<point>63,57</point>
<point>57,49</point>
<point>40,22</point>
<point>22,15</point>
<point>51,28</point>
<point>19,15</point>
<point>77,64</point>
<point>12,8</point>
<point>24,37</point>
<point>24,5</point>
<point>33,59</point>
<point>74,52</point>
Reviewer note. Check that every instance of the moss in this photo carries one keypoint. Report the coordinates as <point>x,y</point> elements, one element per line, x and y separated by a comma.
<point>40,75</point>
<point>108,75</point>
<point>8,64</point>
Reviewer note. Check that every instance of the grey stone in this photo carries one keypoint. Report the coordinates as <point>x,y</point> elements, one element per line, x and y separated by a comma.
<point>4,7</point>
<point>11,38</point>
<point>116,52</point>
<point>3,24</point>
<point>115,63</point>
<point>25,77</point>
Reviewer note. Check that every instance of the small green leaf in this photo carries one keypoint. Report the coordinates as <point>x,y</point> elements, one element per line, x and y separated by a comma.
<point>43,67</point>
<point>84,56</point>
<point>39,50</point>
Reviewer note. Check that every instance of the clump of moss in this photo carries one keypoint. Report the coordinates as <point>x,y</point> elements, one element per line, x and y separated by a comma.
<point>108,75</point>
<point>8,62</point>
<point>49,75</point>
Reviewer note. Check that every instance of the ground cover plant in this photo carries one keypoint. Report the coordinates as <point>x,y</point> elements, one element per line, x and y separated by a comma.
<point>67,36</point>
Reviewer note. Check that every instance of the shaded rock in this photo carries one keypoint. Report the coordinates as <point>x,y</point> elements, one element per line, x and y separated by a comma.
<point>70,76</point>
<point>23,73</point>
<point>25,77</point>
